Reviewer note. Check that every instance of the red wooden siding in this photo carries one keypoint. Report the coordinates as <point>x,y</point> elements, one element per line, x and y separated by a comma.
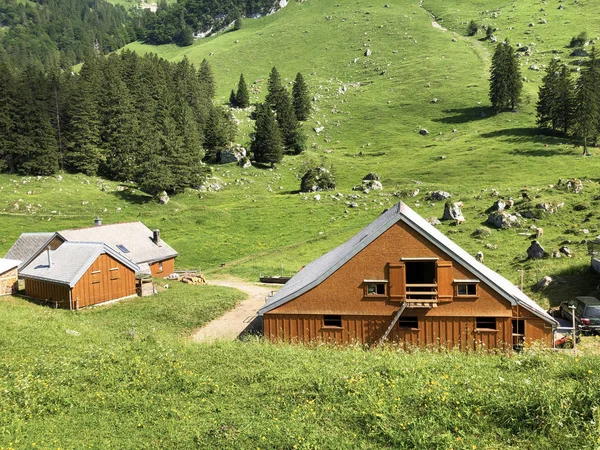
<point>106,279</point>
<point>365,318</point>
<point>168,267</point>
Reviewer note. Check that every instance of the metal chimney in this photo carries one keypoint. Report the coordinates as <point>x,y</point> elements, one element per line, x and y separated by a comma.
<point>156,236</point>
<point>97,221</point>
<point>48,252</point>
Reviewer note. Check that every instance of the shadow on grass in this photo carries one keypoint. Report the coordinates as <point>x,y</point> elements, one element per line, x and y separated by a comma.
<point>464,115</point>
<point>569,283</point>
<point>517,135</point>
<point>137,198</point>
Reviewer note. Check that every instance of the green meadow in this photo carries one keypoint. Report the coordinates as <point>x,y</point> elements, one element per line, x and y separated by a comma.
<point>132,379</point>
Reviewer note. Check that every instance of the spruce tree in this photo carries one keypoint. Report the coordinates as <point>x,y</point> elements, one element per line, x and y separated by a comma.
<point>207,79</point>
<point>216,132</point>
<point>547,96</point>
<point>505,78</point>
<point>564,110</point>
<point>232,99</point>
<point>274,89</point>
<point>301,98</point>
<point>267,146</point>
<point>242,97</point>
<point>293,140</point>
<point>8,95</point>
<point>587,112</point>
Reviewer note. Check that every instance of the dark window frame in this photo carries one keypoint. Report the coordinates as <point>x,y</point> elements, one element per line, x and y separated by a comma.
<point>467,285</point>
<point>408,323</point>
<point>482,323</point>
<point>332,321</point>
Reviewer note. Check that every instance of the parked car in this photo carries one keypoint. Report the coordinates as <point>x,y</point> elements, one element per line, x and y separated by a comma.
<point>587,313</point>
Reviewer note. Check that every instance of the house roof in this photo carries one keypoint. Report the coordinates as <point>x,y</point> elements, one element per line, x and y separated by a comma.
<point>69,262</point>
<point>319,270</point>
<point>133,240</point>
<point>8,264</point>
<point>27,245</point>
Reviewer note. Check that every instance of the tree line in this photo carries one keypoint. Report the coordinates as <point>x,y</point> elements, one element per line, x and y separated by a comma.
<point>125,117</point>
<point>566,105</point>
<point>61,33</point>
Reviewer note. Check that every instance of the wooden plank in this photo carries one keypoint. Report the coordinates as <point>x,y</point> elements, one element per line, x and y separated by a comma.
<point>394,321</point>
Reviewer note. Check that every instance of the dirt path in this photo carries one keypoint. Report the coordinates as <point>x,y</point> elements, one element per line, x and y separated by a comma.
<point>231,324</point>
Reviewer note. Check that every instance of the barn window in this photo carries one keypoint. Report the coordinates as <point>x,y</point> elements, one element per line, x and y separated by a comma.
<point>332,321</point>
<point>466,288</point>
<point>408,322</point>
<point>375,287</point>
<point>486,323</point>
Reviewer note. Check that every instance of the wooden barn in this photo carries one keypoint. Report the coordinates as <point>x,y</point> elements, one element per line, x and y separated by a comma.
<point>9,276</point>
<point>402,280</point>
<point>134,240</point>
<point>79,274</point>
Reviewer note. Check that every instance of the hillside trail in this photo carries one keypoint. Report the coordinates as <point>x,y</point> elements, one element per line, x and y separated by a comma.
<point>478,48</point>
<point>233,323</point>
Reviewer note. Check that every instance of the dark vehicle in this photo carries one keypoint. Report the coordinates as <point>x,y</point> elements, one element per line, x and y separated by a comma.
<point>587,313</point>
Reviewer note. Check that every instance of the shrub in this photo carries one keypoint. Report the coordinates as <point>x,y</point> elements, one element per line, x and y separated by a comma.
<point>317,179</point>
<point>472,28</point>
<point>580,40</point>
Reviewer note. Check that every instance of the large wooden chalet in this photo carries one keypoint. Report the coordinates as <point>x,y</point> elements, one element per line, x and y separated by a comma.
<point>402,280</point>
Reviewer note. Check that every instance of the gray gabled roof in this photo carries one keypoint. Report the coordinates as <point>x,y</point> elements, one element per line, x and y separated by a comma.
<point>319,270</point>
<point>8,264</point>
<point>69,262</point>
<point>27,245</point>
<point>133,240</point>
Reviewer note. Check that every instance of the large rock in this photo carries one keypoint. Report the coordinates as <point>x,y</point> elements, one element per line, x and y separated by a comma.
<point>575,185</point>
<point>438,196</point>
<point>499,205</point>
<point>230,155</point>
<point>543,283</point>
<point>452,211</point>
<point>502,219</point>
<point>371,185</point>
<point>433,221</point>
<point>163,198</point>
<point>536,251</point>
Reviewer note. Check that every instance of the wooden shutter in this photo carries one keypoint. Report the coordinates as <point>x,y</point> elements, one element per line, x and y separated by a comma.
<point>397,279</point>
<point>445,278</point>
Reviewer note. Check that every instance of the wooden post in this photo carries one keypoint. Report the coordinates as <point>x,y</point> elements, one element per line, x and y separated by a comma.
<point>522,276</point>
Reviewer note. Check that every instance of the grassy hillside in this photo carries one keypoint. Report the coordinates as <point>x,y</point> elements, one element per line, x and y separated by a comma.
<point>124,377</point>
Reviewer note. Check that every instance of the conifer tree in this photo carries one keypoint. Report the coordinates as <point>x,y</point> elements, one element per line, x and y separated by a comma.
<point>274,89</point>
<point>207,79</point>
<point>35,150</point>
<point>242,97</point>
<point>587,110</point>
<point>301,98</point>
<point>7,116</point>
<point>505,79</point>
<point>564,111</point>
<point>293,140</point>
<point>232,99</point>
<point>216,132</point>
<point>548,95</point>
<point>267,146</point>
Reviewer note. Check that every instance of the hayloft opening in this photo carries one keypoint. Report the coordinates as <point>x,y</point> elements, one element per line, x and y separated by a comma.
<point>420,272</point>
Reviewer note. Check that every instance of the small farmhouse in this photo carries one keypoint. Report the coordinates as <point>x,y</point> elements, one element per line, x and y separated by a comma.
<point>79,274</point>
<point>8,276</point>
<point>400,279</point>
<point>133,240</point>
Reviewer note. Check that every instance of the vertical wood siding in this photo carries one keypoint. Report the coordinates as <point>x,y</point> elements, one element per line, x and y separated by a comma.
<point>56,294</point>
<point>168,267</point>
<point>433,332</point>
<point>106,279</point>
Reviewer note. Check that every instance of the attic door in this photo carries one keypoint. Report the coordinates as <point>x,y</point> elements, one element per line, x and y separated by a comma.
<point>397,280</point>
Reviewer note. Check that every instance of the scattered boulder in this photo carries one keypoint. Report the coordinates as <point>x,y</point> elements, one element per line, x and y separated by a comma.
<point>433,221</point>
<point>543,283</point>
<point>574,185</point>
<point>368,185</point>
<point>452,211</point>
<point>371,176</point>
<point>502,219</point>
<point>317,197</point>
<point>72,332</point>
<point>479,257</point>
<point>163,198</point>
<point>579,52</point>
<point>566,251</point>
<point>556,254</point>
<point>481,233</point>
<point>318,129</point>
<point>499,205</point>
<point>368,52</point>
<point>423,132</point>
<point>245,162</point>
<point>230,155</point>
<point>536,251</point>
<point>438,196</point>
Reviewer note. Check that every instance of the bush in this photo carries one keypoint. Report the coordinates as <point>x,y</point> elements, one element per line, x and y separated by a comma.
<point>579,41</point>
<point>317,179</point>
<point>472,28</point>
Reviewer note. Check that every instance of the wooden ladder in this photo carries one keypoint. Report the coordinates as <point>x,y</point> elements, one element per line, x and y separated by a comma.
<point>394,320</point>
